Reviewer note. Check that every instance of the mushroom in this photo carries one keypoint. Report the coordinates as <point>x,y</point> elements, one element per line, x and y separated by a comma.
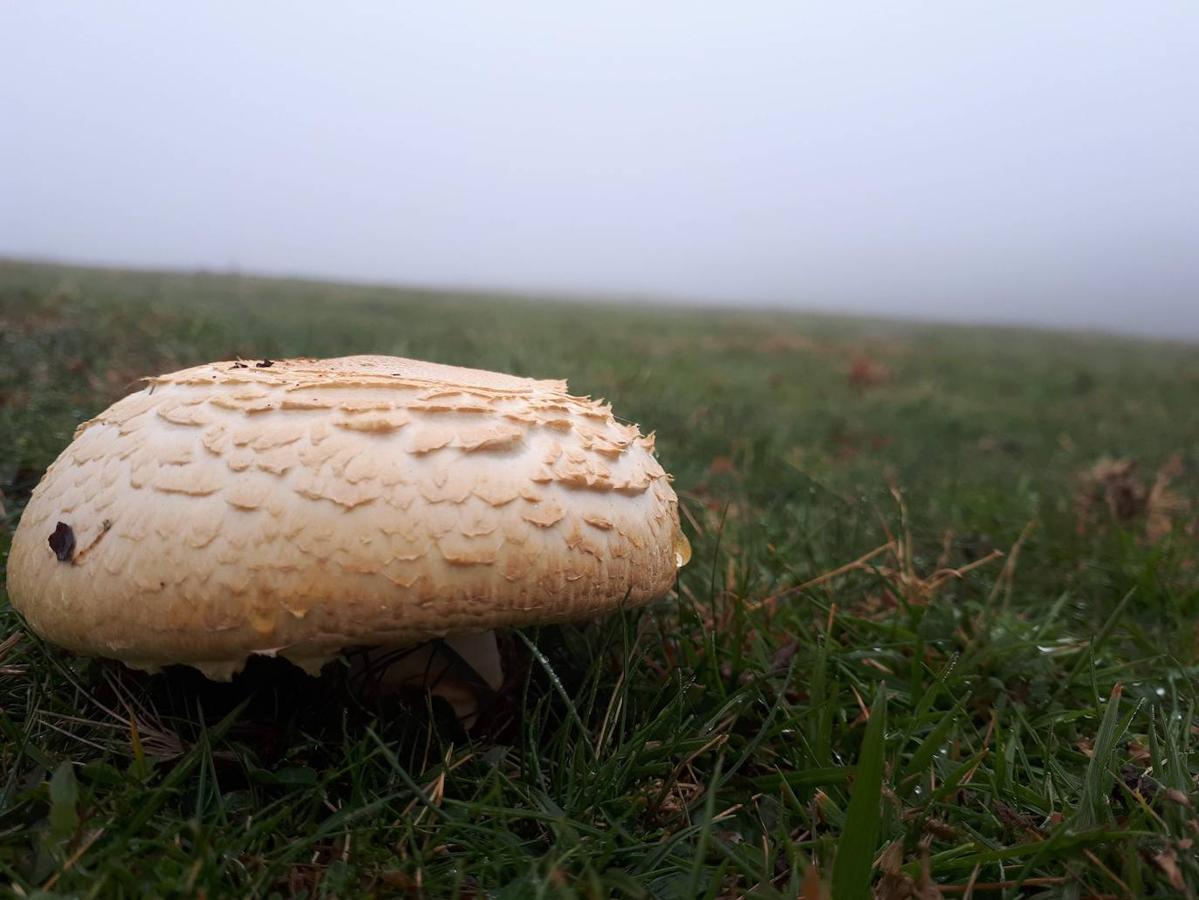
<point>296,508</point>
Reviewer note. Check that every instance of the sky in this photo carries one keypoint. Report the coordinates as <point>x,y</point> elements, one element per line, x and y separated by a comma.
<point>1023,162</point>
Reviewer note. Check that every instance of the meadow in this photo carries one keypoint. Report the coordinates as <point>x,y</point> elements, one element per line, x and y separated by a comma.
<point>937,638</point>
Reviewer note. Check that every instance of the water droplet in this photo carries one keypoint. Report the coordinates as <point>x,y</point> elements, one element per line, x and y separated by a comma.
<point>682,550</point>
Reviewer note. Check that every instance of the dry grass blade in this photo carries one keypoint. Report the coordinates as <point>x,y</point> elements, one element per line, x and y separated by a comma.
<point>1001,885</point>
<point>8,643</point>
<point>856,565</point>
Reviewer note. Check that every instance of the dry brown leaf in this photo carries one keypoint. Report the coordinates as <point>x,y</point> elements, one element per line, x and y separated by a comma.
<point>865,372</point>
<point>721,465</point>
<point>1139,753</point>
<point>926,889</point>
<point>1163,504</point>
<point>1167,861</point>
<point>1114,483</point>
<point>813,886</point>
<point>1177,796</point>
<point>1015,819</point>
<point>895,885</point>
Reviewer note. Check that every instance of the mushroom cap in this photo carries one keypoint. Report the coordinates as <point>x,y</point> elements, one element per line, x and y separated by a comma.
<point>301,506</point>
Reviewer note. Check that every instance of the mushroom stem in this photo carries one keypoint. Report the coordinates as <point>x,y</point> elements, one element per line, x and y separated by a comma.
<point>455,669</point>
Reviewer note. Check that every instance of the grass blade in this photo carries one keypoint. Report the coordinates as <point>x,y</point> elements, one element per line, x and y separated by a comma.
<point>1099,778</point>
<point>853,867</point>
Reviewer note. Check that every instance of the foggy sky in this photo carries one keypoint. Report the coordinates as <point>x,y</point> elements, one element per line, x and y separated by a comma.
<point>1022,161</point>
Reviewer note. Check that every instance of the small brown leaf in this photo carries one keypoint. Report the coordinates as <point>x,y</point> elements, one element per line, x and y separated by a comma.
<point>1139,753</point>
<point>781,658</point>
<point>813,888</point>
<point>1167,861</point>
<point>894,885</point>
<point>1137,781</point>
<point>1114,481</point>
<point>926,888</point>
<point>865,372</point>
<point>721,465</point>
<point>940,829</point>
<point>1177,796</point>
<point>1162,503</point>
<point>1014,819</point>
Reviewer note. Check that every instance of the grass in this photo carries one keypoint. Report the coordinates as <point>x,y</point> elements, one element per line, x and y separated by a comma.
<point>925,645</point>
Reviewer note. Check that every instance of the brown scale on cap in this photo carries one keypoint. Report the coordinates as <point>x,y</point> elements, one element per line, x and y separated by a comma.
<point>310,505</point>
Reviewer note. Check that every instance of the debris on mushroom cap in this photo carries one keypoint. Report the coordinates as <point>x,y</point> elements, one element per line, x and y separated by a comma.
<point>304,506</point>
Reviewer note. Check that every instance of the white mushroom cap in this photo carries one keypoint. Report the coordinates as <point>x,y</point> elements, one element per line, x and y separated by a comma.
<point>300,506</point>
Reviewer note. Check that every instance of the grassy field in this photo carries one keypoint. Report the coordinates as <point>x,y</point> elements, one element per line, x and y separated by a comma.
<point>937,638</point>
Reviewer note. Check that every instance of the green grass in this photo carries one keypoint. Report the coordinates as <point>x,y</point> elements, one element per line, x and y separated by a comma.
<point>1024,720</point>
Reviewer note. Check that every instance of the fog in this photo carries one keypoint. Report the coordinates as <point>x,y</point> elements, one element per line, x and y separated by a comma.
<point>1024,162</point>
